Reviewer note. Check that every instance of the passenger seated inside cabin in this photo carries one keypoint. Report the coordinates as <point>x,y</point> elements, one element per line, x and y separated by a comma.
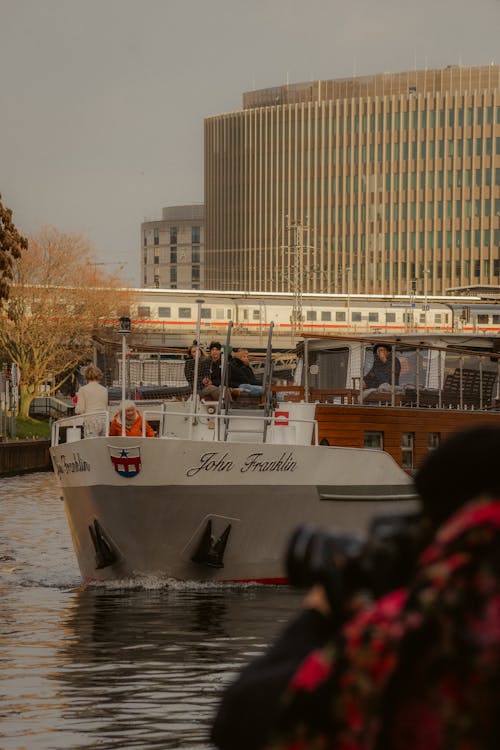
<point>381,370</point>
<point>133,422</point>
<point>241,375</point>
<point>195,352</point>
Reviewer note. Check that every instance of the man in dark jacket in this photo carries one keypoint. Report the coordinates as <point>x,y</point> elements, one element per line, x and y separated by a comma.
<point>212,381</point>
<point>241,375</point>
<point>381,371</point>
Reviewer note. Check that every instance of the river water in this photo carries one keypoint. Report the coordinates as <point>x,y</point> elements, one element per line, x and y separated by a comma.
<point>111,667</point>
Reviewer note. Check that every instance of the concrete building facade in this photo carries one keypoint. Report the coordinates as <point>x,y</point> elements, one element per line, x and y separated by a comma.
<point>173,249</point>
<point>379,184</point>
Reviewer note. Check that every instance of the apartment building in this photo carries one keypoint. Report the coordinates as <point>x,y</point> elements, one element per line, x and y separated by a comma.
<point>173,249</point>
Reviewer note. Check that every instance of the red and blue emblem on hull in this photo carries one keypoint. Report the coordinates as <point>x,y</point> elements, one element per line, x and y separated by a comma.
<point>127,461</point>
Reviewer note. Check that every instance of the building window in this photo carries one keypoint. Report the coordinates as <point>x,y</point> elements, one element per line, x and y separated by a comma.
<point>195,256</point>
<point>156,236</point>
<point>195,235</point>
<point>143,311</point>
<point>145,239</point>
<point>157,259</point>
<point>184,312</point>
<point>173,255</point>
<point>164,312</point>
<point>195,273</point>
<point>173,235</point>
<point>373,440</point>
<point>173,275</point>
<point>407,439</point>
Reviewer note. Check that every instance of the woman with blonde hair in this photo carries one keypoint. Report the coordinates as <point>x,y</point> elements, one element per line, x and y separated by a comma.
<point>93,396</point>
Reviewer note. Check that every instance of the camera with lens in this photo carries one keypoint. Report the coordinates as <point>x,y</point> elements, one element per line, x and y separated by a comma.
<point>345,564</point>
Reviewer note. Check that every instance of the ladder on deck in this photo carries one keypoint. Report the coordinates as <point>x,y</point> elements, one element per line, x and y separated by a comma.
<point>231,424</point>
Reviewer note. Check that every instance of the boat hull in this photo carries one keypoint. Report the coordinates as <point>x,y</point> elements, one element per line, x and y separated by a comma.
<point>153,501</point>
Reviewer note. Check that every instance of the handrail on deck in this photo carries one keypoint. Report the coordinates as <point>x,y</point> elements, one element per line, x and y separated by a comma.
<point>160,414</point>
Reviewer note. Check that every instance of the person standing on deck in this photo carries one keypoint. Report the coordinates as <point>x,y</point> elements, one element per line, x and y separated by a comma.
<point>93,396</point>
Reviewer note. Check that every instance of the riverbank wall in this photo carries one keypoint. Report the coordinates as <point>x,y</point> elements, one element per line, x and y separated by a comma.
<point>24,456</point>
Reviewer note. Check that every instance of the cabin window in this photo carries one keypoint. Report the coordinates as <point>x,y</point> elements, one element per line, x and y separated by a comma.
<point>164,312</point>
<point>374,440</point>
<point>311,315</point>
<point>205,312</point>
<point>407,439</point>
<point>143,312</point>
<point>184,312</point>
<point>340,316</point>
<point>326,315</point>
<point>433,440</point>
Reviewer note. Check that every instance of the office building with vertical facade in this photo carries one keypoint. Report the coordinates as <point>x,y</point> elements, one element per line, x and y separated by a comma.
<point>382,184</point>
<point>173,249</point>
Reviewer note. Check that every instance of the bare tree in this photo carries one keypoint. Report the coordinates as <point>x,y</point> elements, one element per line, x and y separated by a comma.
<point>11,246</point>
<point>57,301</point>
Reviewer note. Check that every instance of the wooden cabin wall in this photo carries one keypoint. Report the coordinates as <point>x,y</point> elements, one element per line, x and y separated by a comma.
<point>344,425</point>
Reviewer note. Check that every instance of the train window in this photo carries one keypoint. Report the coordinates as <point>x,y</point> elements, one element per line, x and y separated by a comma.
<point>496,319</point>
<point>326,315</point>
<point>143,311</point>
<point>356,317</point>
<point>255,314</point>
<point>373,317</point>
<point>164,312</point>
<point>484,319</point>
<point>228,316</point>
<point>245,314</point>
<point>205,312</point>
<point>184,312</point>
<point>390,317</point>
<point>340,316</point>
<point>437,317</point>
<point>422,317</point>
<point>311,315</point>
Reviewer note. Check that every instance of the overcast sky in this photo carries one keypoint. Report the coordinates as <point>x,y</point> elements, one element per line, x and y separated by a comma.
<point>102,101</point>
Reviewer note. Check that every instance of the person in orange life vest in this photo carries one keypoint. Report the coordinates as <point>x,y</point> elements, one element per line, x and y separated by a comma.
<point>133,422</point>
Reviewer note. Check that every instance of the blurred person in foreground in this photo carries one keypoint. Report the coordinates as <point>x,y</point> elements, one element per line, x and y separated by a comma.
<point>416,669</point>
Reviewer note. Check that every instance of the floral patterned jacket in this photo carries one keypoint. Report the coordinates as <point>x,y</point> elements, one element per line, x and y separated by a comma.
<point>419,669</point>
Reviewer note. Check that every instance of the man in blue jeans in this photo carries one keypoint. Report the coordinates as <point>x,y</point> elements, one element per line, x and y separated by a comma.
<point>241,375</point>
